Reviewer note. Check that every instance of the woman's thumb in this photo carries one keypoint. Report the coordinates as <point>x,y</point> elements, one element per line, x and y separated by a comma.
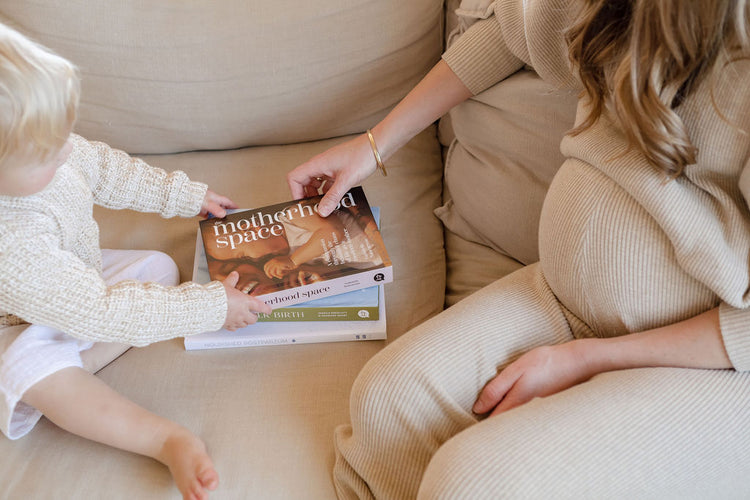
<point>332,198</point>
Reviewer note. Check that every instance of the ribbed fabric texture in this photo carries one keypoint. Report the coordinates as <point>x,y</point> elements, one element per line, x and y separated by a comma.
<point>50,260</point>
<point>695,228</point>
<point>647,433</point>
<point>622,249</point>
<point>418,392</point>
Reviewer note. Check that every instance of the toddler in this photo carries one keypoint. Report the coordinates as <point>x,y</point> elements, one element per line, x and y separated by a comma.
<point>59,292</point>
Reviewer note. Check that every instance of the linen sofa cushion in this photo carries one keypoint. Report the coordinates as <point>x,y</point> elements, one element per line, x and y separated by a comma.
<point>504,151</point>
<point>267,414</point>
<point>162,77</point>
<point>471,266</point>
<point>407,198</point>
<point>506,138</point>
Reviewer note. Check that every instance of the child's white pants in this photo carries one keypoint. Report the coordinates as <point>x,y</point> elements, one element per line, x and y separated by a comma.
<point>29,353</point>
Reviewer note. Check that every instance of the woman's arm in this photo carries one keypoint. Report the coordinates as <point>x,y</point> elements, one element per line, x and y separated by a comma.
<point>351,162</point>
<point>438,92</point>
<point>693,343</point>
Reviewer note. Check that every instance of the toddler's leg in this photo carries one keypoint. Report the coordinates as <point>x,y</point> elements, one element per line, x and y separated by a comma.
<point>41,371</point>
<point>418,392</point>
<point>140,265</point>
<point>82,404</point>
<point>120,265</point>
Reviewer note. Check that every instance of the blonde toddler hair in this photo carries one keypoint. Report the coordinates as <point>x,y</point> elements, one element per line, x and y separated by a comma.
<point>39,93</point>
<point>642,58</point>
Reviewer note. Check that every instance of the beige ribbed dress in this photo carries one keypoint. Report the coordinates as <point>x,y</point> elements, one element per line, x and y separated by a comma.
<point>621,250</point>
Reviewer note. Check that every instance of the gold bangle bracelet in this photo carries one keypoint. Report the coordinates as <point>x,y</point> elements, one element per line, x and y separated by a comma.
<point>376,153</point>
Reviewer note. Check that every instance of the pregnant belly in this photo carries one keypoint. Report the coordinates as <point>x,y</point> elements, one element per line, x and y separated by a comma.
<point>607,259</point>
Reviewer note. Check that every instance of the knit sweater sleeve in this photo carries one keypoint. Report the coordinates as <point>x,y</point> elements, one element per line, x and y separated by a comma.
<point>735,331</point>
<point>735,321</point>
<point>121,181</point>
<point>519,33</point>
<point>57,289</point>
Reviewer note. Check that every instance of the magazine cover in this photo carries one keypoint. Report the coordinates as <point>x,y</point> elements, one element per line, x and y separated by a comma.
<point>357,305</point>
<point>288,254</point>
<point>350,316</point>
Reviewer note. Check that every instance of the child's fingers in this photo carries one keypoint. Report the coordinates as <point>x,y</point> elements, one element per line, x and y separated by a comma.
<point>258,305</point>
<point>227,203</point>
<point>217,210</point>
<point>232,279</point>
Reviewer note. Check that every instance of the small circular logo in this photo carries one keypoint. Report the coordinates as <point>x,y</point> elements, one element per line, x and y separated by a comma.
<point>379,277</point>
<point>362,313</point>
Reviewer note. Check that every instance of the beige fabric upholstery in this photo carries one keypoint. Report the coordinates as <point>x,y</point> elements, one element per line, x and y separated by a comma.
<point>471,266</point>
<point>267,414</point>
<point>161,77</point>
<point>507,137</point>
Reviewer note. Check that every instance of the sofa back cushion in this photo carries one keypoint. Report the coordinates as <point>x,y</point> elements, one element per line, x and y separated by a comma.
<point>504,151</point>
<point>168,76</point>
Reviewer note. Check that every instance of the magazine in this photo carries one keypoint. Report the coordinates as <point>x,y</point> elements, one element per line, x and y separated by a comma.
<point>357,305</point>
<point>288,254</point>
<point>350,316</point>
<point>293,332</point>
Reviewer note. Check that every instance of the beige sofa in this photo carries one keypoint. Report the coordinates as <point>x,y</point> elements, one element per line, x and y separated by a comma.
<point>236,94</point>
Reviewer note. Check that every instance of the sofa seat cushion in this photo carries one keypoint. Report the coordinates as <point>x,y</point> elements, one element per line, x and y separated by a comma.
<point>267,414</point>
<point>471,266</point>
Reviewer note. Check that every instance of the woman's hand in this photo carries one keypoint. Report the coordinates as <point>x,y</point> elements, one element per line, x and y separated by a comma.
<point>216,205</point>
<point>692,343</point>
<point>540,372</point>
<point>348,164</point>
<point>336,170</point>
<point>241,308</point>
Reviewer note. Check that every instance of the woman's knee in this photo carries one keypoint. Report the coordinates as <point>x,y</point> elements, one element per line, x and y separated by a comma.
<point>382,382</point>
<point>490,463</point>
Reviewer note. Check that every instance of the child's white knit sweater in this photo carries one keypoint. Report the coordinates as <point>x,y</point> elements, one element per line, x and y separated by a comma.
<point>50,259</point>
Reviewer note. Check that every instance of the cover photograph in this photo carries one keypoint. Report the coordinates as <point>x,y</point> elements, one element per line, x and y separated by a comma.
<point>288,254</point>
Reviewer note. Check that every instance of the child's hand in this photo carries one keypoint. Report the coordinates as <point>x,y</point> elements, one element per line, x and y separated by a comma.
<point>216,205</point>
<point>241,308</point>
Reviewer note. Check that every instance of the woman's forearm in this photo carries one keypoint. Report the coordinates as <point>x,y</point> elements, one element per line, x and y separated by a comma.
<point>434,96</point>
<point>693,343</point>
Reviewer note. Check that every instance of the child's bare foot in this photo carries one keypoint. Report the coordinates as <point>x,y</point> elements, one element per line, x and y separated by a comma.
<point>191,467</point>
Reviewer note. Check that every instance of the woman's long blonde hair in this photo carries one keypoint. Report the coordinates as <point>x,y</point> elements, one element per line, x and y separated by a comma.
<point>641,58</point>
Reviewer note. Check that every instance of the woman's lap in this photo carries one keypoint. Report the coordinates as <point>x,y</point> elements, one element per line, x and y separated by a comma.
<point>650,432</point>
<point>645,433</point>
<point>418,392</point>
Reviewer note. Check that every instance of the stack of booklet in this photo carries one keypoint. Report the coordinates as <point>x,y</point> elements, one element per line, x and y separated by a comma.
<point>323,276</point>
